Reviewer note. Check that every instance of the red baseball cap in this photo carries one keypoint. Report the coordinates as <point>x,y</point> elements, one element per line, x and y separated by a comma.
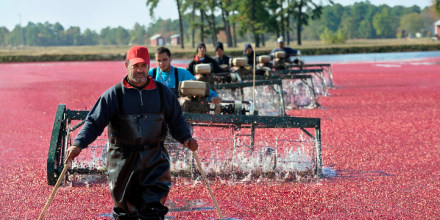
<point>138,54</point>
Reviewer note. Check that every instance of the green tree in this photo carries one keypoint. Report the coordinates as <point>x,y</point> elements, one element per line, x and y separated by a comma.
<point>411,23</point>
<point>437,7</point>
<point>105,36</point>
<point>385,24</point>
<point>331,37</point>
<point>15,36</point>
<point>349,25</point>
<point>31,35</point>
<point>152,4</point>
<point>122,37</point>
<point>58,30</point>
<point>73,35</point>
<point>90,37</point>
<point>331,16</point>
<point>303,11</point>
<point>138,34</point>
<point>225,7</point>
<point>4,32</point>
<point>361,14</point>
<point>252,18</point>
<point>334,17</point>
<point>212,5</point>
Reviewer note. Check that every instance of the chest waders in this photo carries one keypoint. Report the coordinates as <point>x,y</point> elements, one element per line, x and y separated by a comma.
<point>137,162</point>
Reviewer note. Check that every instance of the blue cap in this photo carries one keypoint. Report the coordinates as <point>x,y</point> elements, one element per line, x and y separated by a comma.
<point>246,46</point>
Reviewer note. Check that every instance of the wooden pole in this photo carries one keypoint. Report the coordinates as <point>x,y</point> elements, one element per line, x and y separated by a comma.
<point>54,191</point>
<point>207,184</point>
<point>60,178</point>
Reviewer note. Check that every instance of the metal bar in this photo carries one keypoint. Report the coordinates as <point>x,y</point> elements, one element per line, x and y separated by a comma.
<point>283,105</point>
<point>298,71</point>
<point>259,121</point>
<point>252,136</point>
<point>286,76</point>
<point>77,115</point>
<point>318,151</point>
<point>78,125</point>
<point>308,134</point>
<point>309,65</point>
<point>55,142</point>
<point>246,84</point>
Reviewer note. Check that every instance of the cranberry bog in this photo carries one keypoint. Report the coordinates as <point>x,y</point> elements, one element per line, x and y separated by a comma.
<point>379,133</point>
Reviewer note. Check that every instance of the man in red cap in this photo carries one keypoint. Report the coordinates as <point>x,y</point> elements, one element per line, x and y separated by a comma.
<point>138,111</point>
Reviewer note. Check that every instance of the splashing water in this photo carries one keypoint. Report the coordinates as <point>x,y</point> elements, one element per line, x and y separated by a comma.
<point>228,159</point>
<point>267,98</point>
<point>299,94</point>
<point>286,160</point>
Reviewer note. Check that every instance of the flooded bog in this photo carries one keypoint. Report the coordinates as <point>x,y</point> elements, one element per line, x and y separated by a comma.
<point>379,147</point>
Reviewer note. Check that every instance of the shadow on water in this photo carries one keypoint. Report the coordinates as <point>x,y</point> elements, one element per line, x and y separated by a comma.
<point>330,173</point>
<point>174,206</point>
<point>187,206</point>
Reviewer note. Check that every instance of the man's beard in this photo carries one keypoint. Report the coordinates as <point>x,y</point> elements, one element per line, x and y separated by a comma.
<point>138,79</point>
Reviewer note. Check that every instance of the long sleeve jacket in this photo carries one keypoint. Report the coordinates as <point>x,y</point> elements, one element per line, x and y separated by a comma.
<point>145,100</point>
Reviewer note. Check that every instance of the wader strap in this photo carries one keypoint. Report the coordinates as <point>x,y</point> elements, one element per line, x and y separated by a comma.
<point>176,77</point>
<point>119,95</point>
<point>159,87</point>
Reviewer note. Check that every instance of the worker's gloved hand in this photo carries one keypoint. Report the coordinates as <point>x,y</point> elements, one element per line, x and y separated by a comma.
<point>191,144</point>
<point>72,152</point>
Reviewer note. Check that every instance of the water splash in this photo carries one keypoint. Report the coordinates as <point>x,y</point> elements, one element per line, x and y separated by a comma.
<point>288,157</point>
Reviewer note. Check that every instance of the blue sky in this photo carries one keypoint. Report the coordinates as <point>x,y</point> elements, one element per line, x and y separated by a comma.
<point>97,14</point>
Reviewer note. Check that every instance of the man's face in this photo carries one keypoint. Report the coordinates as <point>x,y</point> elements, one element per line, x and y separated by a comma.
<point>219,52</point>
<point>201,51</point>
<point>248,50</point>
<point>163,61</point>
<point>281,45</point>
<point>138,73</point>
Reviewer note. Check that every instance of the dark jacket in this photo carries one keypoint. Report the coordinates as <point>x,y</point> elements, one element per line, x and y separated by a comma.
<point>290,52</point>
<point>250,58</point>
<point>223,60</point>
<point>136,101</point>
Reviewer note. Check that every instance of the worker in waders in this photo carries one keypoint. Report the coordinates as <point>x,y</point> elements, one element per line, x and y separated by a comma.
<point>138,111</point>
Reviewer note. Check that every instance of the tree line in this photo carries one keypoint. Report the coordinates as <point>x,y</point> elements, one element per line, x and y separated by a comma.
<point>248,20</point>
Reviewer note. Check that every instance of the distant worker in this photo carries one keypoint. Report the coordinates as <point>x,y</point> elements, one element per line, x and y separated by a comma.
<point>249,53</point>
<point>222,59</point>
<point>138,110</point>
<point>201,57</point>
<point>171,76</point>
<point>289,52</point>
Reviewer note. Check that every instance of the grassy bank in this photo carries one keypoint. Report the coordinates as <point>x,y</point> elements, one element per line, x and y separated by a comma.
<point>100,52</point>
